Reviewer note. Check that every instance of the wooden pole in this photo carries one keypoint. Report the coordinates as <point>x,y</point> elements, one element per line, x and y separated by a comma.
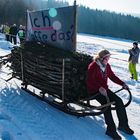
<point>22,71</point>
<point>26,24</point>
<point>63,78</point>
<point>75,26</point>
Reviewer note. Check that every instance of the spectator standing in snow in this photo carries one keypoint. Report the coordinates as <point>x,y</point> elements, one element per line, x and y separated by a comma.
<point>6,30</point>
<point>96,79</point>
<point>13,33</point>
<point>21,33</point>
<point>133,60</point>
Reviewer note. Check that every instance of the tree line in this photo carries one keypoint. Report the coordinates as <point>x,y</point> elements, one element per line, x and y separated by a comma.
<point>90,21</point>
<point>107,23</point>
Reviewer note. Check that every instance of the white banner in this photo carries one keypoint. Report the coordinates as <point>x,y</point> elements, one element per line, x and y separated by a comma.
<point>53,26</point>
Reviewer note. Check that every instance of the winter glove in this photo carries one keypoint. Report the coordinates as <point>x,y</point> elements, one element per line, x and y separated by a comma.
<point>125,86</point>
<point>103,91</point>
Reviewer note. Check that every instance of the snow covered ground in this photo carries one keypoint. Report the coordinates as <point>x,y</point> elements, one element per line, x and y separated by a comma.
<point>24,117</point>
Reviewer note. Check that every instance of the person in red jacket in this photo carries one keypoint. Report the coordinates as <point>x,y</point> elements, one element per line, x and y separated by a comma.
<point>97,81</point>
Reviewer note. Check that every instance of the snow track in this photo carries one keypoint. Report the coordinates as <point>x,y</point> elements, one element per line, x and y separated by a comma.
<point>32,119</point>
<point>19,104</point>
<point>24,117</point>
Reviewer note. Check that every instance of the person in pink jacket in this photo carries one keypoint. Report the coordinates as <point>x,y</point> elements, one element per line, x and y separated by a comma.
<point>97,81</point>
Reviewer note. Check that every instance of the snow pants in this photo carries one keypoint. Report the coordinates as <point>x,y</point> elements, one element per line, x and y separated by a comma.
<point>120,110</point>
<point>132,70</point>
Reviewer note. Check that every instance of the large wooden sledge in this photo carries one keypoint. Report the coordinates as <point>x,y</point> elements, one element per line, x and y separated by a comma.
<point>58,75</point>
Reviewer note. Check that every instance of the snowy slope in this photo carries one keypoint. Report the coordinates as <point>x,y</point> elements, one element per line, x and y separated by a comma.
<point>23,117</point>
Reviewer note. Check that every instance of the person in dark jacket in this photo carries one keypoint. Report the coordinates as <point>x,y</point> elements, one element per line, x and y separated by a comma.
<point>13,33</point>
<point>96,80</point>
<point>133,60</point>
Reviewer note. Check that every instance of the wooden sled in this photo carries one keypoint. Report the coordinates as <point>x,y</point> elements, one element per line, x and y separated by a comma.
<point>59,75</point>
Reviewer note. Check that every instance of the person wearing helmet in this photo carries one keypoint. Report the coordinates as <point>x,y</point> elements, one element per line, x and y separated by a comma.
<point>133,60</point>
<point>96,81</point>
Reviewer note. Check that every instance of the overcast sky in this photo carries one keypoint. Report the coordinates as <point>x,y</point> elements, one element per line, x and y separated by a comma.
<point>120,6</point>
